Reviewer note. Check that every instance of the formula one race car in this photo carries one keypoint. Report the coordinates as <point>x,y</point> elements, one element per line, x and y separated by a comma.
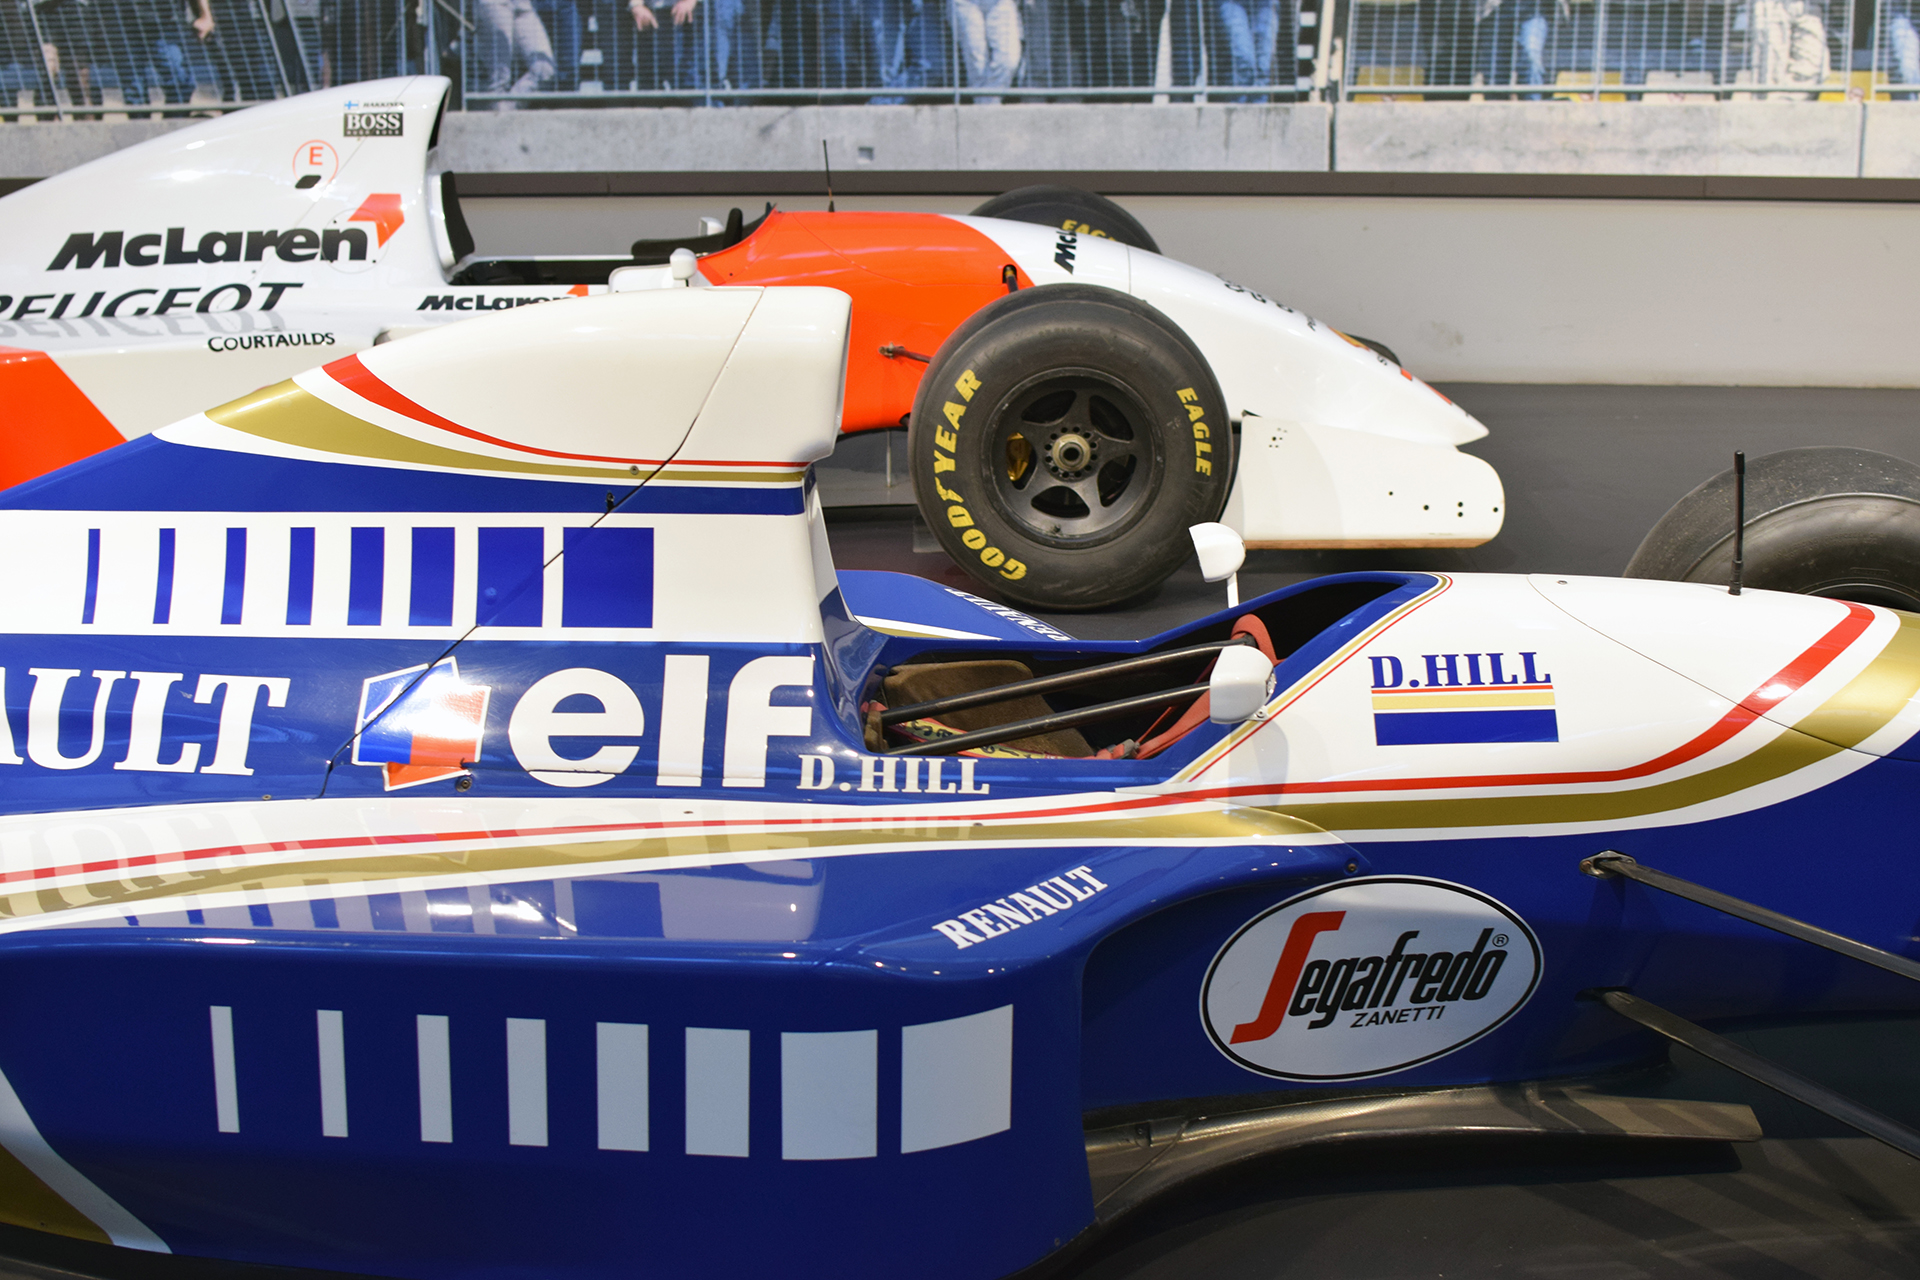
<point>1104,407</point>
<point>450,795</point>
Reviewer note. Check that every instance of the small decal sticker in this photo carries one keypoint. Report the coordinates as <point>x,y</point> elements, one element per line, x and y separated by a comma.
<point>314,164</point>
<point>1439,698</point>
<point>420,725</point>
<point>1367,977</point>
<point>374,124</point>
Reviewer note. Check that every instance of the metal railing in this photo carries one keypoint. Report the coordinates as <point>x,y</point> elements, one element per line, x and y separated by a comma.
<point>81,59</point>
<point>1629,50</point>
<point>731,52</point>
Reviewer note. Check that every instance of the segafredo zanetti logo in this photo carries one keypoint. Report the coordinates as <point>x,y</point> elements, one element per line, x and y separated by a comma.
<point>1367,977</point>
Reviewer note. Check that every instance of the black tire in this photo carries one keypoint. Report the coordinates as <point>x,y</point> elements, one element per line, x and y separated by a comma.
<point>1086,213</point>
<point>1062,442</point>
<point>1377,347</point>
<point>1824,521</point>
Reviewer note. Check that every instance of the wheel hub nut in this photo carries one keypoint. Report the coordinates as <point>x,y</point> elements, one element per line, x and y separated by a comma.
<point>1070,453</point>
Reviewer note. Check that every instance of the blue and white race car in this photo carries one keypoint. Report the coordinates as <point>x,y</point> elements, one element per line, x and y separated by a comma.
<point>456,822</point>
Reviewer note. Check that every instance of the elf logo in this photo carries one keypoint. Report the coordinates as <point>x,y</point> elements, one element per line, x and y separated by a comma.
<point>1367,977</point>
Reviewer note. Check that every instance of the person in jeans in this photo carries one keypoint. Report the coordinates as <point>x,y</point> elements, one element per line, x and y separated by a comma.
<point>1251,28</point>
<point>181,51</point>
<point>1903,43</point>
<point>907,46</point>
<point>510,36</point>
<point>24,60</point>
<point>564,24</point>
<point>989,35</point>
<point>1506,28</point>
<point>1187,29</point>
<point>674,52</point>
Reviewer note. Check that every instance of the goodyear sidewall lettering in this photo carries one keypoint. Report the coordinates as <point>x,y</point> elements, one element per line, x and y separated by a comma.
<point>1202,430</point>
<point>951,422</point>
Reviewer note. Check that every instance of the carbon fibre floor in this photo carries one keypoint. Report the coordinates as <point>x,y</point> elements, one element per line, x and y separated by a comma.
<point>1810,1201</point>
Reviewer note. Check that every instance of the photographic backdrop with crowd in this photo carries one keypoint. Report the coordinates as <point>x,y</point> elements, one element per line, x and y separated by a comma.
<point>91,59</point>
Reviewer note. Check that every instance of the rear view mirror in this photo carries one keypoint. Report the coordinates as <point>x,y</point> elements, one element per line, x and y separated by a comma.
<point>1241,684</point>
<point>1222,552</point>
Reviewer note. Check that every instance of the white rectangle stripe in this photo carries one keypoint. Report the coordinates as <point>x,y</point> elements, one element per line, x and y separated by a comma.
<point>828,1094</point>
<point>226,1089</point>
<point>527,1082</point>
<point>621,1080</point>
<point>717,1091</point>
<point>552,589</point>
<point>436,1078</point>
<point>956,1079</point>
<point>333,1072</point>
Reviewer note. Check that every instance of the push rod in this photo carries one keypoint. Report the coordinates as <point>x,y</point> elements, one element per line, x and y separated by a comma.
<point>1771,1074</point>
<point>1048,684</point>
<point>1047,724</point>
<point>1606,864</point>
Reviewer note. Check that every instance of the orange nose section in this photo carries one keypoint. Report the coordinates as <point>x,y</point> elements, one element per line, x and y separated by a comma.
<point>45,421</point>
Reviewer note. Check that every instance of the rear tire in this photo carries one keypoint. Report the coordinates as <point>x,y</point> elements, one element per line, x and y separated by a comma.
<point>1063,441</point>
<point>1824,521</point>
<point>1069,209</point>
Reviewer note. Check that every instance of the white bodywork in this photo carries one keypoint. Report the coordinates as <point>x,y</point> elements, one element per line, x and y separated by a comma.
<point>319,244</point>
<point>1641,701</point>
<point>149,340</point>
<point>1339,446</point>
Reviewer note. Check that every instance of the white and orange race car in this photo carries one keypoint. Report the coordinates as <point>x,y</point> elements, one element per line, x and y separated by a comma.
<point>1075,400</point>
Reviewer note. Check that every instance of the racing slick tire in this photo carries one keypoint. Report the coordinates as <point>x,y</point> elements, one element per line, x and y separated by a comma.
<point>1086,213</point>
<point>1822,521</point>
<point>1063,441</point>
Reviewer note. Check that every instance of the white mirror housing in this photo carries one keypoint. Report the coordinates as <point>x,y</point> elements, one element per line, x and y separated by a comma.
<point>682,263</point>
<point>1241,684</point>
<point>1222,551</point>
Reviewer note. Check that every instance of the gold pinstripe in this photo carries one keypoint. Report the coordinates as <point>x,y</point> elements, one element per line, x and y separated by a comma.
<point>289,414</point>
<point>146,884</point>
<point>1861,708</point>
<point>25,1201</point>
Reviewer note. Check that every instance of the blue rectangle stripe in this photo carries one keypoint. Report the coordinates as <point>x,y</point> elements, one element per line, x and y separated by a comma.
<point>430,590</point>
<point>163,581</point>
<point>607,579</point>
<point>366,577</point>
<point>93,577</point>
<point>300,578</point>
<point>233,590</point>
<point>1432,728</point>
<point>509,578</point>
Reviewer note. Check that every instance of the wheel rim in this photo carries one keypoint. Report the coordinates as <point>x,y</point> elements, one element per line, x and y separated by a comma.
<point>1074,458</point>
